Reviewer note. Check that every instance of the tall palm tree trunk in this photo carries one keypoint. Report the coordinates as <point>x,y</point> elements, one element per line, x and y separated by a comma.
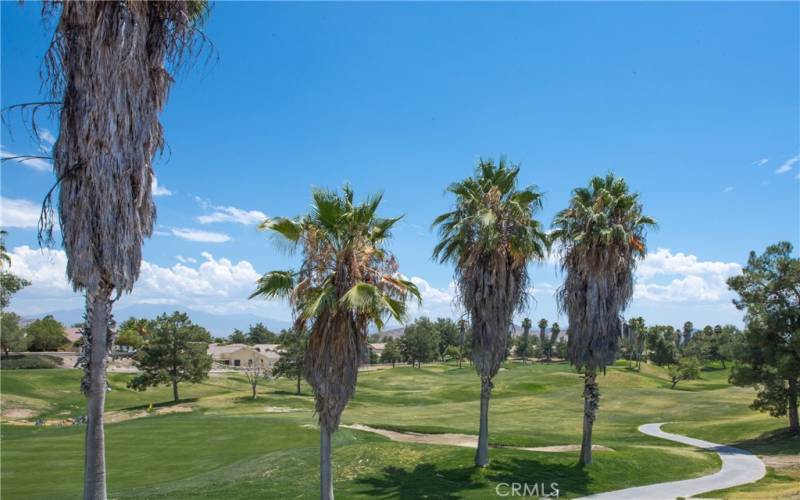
<point>482,453</point>
<point>591,400</point>
<point>99,318</point>
<point>794,425</point>
<point>325,472</point>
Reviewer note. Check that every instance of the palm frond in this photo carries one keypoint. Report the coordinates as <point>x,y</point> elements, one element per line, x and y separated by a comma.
<point>275,284</point>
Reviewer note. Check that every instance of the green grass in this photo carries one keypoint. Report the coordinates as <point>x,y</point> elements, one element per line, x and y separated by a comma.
<point>231,446</point>
<point>29,362</point>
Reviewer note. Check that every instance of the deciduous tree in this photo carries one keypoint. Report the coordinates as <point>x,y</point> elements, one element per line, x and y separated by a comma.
<point>12,335</point>
<point>420,342</point>
<point>687,368</point>
<point>46,334</point>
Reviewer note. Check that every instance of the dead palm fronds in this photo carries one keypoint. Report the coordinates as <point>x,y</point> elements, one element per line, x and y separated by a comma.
<point>108,67</point>
<point>346,282</point>
<point>491,236</point>
<point>601,236</point>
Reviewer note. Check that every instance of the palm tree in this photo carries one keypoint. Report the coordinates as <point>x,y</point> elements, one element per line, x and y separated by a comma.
<point>543,338</point>
<point>462,328</point>
<point>525,346</point>
<point>107,65</point>
<point>555,329</point>
<point>638,333</point>
<point>347,280</point>
<point>601,235</point>
<point>490,237</point>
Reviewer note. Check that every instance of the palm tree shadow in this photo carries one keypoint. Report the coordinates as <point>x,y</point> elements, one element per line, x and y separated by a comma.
<point>564,477</point>
<point>427,480</point>
<point>424,481</point>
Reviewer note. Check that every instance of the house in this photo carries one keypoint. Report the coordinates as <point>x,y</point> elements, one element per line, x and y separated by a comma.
<point>263,356</point>
<point>377,348</point>
<point>73,334</point>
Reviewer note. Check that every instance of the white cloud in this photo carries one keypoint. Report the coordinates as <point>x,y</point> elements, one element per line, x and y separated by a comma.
<point>198,235</point>
<point>436,302</point>
<point>46,140</point>
<point>160,190</point>
<point>762,162</point>
<point>18,213</point>
<point>728,189</point>
<point>216,286</point>
<point>690,288</point>
<point>543,288</point>
<point>787,165</point>
<point>692,278</point>
<point>664,262</point>
<point>669,286</point>
<point>232,214</point>
<point>39,164</point>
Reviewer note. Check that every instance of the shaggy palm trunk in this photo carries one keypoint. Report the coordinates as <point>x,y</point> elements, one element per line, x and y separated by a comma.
<point>591,400</point>
<point>794,425</point>
<point>325,472</point>
<point>482,453</point>
<point>98,317</point>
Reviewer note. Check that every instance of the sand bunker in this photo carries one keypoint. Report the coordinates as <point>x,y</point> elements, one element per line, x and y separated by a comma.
<point>24,417</point>
<point>464,440</point>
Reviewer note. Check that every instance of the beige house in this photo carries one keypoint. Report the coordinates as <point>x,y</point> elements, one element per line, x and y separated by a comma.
<point>244,356</point>
<point>377,348</point>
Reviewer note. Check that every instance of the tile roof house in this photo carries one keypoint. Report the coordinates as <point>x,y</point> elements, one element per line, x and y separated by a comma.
<point>243,355</point>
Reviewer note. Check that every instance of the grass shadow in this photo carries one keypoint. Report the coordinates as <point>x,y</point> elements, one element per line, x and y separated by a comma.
<point>280,392</point>
<point>777,442</point>
<point>428,480</point>
<point>165,404</point>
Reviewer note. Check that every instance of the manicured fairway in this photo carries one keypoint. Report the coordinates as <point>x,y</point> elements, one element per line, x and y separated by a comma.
<point>229,446</point>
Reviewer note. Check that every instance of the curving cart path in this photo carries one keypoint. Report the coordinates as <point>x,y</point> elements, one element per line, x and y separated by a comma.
<point>738,467</point>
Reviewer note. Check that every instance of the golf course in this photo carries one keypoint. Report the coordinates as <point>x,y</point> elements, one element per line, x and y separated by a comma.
<point>217,442</point>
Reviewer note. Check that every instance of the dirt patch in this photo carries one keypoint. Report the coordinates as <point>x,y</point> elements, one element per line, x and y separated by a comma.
<point>781,462</point>
<point>113,417</point>
<point>18,413</point>
<point>464,440</point>
<point>281,409</point>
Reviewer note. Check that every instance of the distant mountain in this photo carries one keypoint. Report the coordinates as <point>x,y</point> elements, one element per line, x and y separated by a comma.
<point>394,333</point>
<point>220,325</point>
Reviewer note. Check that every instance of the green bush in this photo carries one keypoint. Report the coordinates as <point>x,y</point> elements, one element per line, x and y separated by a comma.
<point>30,362</point>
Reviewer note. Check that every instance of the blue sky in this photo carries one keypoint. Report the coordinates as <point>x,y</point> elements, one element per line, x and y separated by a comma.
<point>695,104</point>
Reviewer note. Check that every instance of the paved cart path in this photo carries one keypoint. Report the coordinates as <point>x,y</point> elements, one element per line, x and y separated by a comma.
<point>738,467</point>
